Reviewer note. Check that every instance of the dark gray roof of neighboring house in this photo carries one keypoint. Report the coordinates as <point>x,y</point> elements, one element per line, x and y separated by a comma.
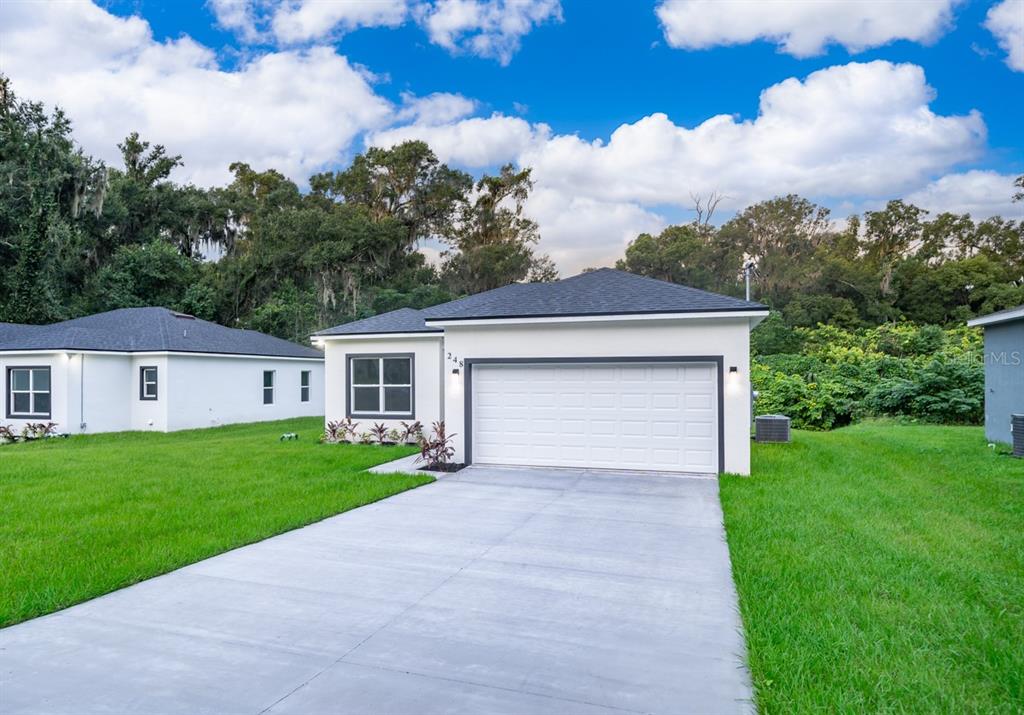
<point>403,320</point>
<point>605,291</point>
<point>1002,316</point>
<point>148,330</point>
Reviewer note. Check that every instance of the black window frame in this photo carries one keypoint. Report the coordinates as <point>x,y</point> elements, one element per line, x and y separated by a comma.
<point>11,415</point>
<point>272,387</point>
<point>380,415</point>
<point>305,376</point>
<point>143,382</point>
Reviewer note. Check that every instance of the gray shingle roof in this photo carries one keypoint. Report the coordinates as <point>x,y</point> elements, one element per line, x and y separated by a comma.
<point>1002,316</point>
<point>605,291</point>
<point>403,320</point>
<point>147,330</point>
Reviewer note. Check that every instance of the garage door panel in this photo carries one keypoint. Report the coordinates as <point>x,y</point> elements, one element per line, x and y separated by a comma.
<point>622,416</point>
<point>698,429</point>
<point>665,429</point>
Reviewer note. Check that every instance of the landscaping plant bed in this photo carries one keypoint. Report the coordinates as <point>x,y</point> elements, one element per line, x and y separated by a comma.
<point>447,467</point>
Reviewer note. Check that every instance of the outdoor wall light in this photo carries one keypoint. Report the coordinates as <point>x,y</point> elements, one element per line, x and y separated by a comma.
<point>733,369</point>
<point>455,371</point>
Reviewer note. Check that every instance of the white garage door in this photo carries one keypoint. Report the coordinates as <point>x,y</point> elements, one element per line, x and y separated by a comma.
<point>646,416</point>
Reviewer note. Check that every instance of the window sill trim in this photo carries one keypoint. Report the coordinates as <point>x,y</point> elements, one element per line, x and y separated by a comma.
<point>378,416</point>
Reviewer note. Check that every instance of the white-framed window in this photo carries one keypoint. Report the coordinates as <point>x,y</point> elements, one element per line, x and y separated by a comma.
<point>28,392</point>
<point>380,385</point>
<point>147,383</point>
<point>268,387</point>
<point>304,377</point>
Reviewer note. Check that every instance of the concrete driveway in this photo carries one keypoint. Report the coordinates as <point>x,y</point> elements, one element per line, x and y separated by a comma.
<point>490,591</point>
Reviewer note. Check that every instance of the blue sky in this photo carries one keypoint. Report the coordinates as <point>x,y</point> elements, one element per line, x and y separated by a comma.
<point>568,74</point>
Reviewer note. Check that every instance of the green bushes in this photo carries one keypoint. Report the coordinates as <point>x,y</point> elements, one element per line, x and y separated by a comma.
<point>827,377</point>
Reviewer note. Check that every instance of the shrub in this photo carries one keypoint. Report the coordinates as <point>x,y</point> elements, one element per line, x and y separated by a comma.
<point>332,433</point>
<point>379,432</point>
<point>411,433</point>
<point>38,430</point>
<point>951,392</point>
<point>838,376</point>
<point>436,450</point>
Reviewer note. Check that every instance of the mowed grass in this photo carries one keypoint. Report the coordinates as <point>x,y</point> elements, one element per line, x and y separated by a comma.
<point>88,515</point>
<point>880,568</point>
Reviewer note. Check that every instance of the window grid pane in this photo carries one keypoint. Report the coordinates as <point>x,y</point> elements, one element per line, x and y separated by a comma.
<point>397,371</point>
<point>41,403</point>
<point>22,402</point>
<point>365,371</point>
<point>397,399</point>
<point>268,395</point>
<point>20,380</point>
<point>365,399</point>
<point>40,380</point>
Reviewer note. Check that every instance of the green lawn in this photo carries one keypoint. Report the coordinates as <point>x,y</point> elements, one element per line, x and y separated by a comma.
<point>91,514</point>
<point>881,569</point>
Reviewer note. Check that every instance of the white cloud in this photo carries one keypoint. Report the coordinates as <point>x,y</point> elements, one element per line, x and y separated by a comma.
<point>487,28</point>
<point>805,27</point>
<point>1006,22</point>
<point>305,20</point>
<point>580,232</point>
<point>856,129</point>
<point>238,16</point>
<point>851,131</point>
<point>982,194</point>
<point>474,143</point>
<point>436,108</point>
<point>294,111</point>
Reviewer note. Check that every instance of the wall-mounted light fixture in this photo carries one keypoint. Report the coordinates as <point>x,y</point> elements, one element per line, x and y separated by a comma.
<point>733,369</point>
<point>455,371</point>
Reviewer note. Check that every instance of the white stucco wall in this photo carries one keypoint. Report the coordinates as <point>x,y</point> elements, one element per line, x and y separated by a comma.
<point>192,391</point>
<point>211,390</point>
<point>107,392</point>
<point>727,337</point>
<point>426,383</point>
<point>149,415</point>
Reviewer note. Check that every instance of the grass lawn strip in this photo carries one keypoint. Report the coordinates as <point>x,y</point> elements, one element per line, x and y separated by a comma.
<point>880,568</point>
<point>94,513</point>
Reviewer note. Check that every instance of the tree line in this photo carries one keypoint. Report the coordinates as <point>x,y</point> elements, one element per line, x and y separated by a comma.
<point>889,265</point>
<point>79,237</point>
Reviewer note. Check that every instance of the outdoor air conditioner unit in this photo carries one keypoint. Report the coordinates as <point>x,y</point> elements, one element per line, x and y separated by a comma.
<point>1017,429</point>
<point>771,428</point>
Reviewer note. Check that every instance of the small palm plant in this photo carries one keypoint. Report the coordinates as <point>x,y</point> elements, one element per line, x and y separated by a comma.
<point>411,433</point>
<point>379,432</point>
<point>437,450</point>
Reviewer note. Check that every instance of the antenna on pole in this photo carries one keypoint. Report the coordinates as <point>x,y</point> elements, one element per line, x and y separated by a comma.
<point>748,268</point>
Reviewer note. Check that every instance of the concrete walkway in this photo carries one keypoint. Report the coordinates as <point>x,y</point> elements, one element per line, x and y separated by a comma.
<point>490,591</point>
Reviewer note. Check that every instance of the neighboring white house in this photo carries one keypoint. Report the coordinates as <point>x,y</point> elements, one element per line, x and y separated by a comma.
<point>602,370</point>
<point>153,369</point>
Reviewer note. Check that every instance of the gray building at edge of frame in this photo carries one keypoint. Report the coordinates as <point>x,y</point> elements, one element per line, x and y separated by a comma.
<point>1004,370</point>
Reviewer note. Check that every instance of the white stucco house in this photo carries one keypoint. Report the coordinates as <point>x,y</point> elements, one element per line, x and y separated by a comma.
<point>152,369</point>
<point>602,370</point>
